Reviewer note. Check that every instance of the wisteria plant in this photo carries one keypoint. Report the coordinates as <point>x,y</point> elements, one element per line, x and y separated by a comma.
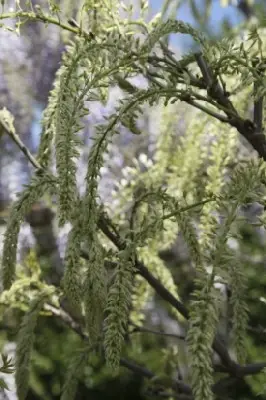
<point>194,183</point>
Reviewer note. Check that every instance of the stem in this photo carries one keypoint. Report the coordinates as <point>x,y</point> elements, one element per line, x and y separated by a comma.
<point>39,17</point>
<point>14,136</point>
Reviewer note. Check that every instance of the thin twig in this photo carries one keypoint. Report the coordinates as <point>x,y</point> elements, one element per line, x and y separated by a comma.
<point>187,208</point>
<point>45,18</point>
<point>139,329</point>
<point>66,318</point>
<point>207,110</point>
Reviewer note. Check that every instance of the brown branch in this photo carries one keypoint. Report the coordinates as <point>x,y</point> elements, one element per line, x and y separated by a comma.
<point>214,89</point>
<point>258,114</point>
<point>246,128</point>
<point>252,131</point>
<point>258,103</point>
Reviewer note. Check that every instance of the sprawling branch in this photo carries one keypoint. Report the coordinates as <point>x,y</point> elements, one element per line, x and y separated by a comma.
<point>229,366</point>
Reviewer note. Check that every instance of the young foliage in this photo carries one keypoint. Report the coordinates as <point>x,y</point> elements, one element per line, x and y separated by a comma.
<point>72,280</point>
<point>76,364</point>
<point>95,291</point>
<point>118,303</point>
<point>41,183</point>
<point>25,344</point>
